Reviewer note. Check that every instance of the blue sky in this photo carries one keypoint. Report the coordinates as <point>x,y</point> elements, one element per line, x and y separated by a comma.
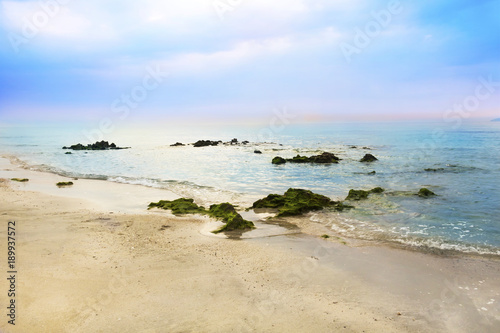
<point>231,59</point>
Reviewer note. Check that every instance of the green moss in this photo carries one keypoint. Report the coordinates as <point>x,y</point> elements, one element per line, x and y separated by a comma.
<point>179,206</point>
<point>278,160</point>
<point>21,180</point>
<point>425,193</point>
<point>325,236</point>
<point>297,202</point>
<point>362,194</point>
<point>377,190</point>
<point>357,195</point>
<point>299,159</point>
<point>228,214</point>
<point>60,184</point>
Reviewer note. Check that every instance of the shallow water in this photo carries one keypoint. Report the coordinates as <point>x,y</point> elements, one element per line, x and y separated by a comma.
<point>463,216</point>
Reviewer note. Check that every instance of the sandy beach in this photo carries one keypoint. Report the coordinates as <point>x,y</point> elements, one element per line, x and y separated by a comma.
<point>91,258</point>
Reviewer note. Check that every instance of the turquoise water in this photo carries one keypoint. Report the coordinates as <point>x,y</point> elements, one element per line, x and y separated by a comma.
<point>464,216</point>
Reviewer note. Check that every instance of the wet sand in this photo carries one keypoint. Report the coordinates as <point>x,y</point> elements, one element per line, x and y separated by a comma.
<point>91,258</point>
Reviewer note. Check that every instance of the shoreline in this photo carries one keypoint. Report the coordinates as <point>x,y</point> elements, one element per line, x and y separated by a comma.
<point>306,223</point>
<point>279,283</point>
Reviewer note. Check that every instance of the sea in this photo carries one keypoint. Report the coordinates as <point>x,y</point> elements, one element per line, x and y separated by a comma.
<point>459,162</point>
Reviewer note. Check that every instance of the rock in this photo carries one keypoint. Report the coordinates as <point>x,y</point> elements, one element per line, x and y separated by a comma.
<point>357,195</point>
<point>234,141</point>
<point>361,194</point>
<point>299,159</point>
<point>99,145</point>
<point>257,152</point>
<point>434,170</point>
<point>177,144</point>
<point>68,153</point>
<point>61,184</point>
<point>227,213</point>
<point>20,180</point>
<point>324,158</point>
<point>297,202</point>
<point>245,142</point>
<point>179,206</point>
<point>425,193</point>
<point>368,158</point>
<point>377,190</point>
<point>372,173</point>
<point>278,160</point>
<point>205,143</point>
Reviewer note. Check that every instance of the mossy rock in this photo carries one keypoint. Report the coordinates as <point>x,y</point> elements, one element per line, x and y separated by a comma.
<point>21,180</point>
<point>228,214</point>
<point>278,160</point>
<point>179,206</point>
<point>425,193</point>
<point>299,159</point>
<point>297,202</point>
<point>61,184</point>
<point>357,195</point>
<point>368,158</point>
<point>377,190</point>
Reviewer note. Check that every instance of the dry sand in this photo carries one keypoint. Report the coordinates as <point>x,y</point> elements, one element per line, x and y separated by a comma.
<point>88,265</point>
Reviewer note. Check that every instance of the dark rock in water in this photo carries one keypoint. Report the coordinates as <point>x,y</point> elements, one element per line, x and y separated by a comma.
<point>99,145</point>
<point>245,142</point>
<point>357,195</point>
<point>234,141</point>
<point>205,143</point>
<point>257,152</point>
<point>179,206</point>
<point>177,144</point>
<point>361,194</point>
<point>278,160</point>
<point>226,212</point>
<point>297,202</point>
<point>298,159</point>
<point>377,190</point>
<point>353,147</point>
<point>425,193</point>
<point>68,153</point>
<point>372,173</point>
<point>368,158</point>
<point>434,170</point>
<point>324,158</point>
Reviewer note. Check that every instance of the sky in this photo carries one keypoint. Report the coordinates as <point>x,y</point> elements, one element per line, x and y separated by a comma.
<point>245,59</point>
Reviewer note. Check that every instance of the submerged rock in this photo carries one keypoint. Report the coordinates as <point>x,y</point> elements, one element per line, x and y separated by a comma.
<point>179,206</point>
<point>297,202</point>
<point>99,145</point>
<point>368,158</point>
<point>362,194</point>
<point>257,152</point>
<point>278,160</point>
<point>228,214</point>
<point>425,193</point>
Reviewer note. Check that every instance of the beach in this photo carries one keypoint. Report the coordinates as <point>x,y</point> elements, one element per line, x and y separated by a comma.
<point>87,261</point>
